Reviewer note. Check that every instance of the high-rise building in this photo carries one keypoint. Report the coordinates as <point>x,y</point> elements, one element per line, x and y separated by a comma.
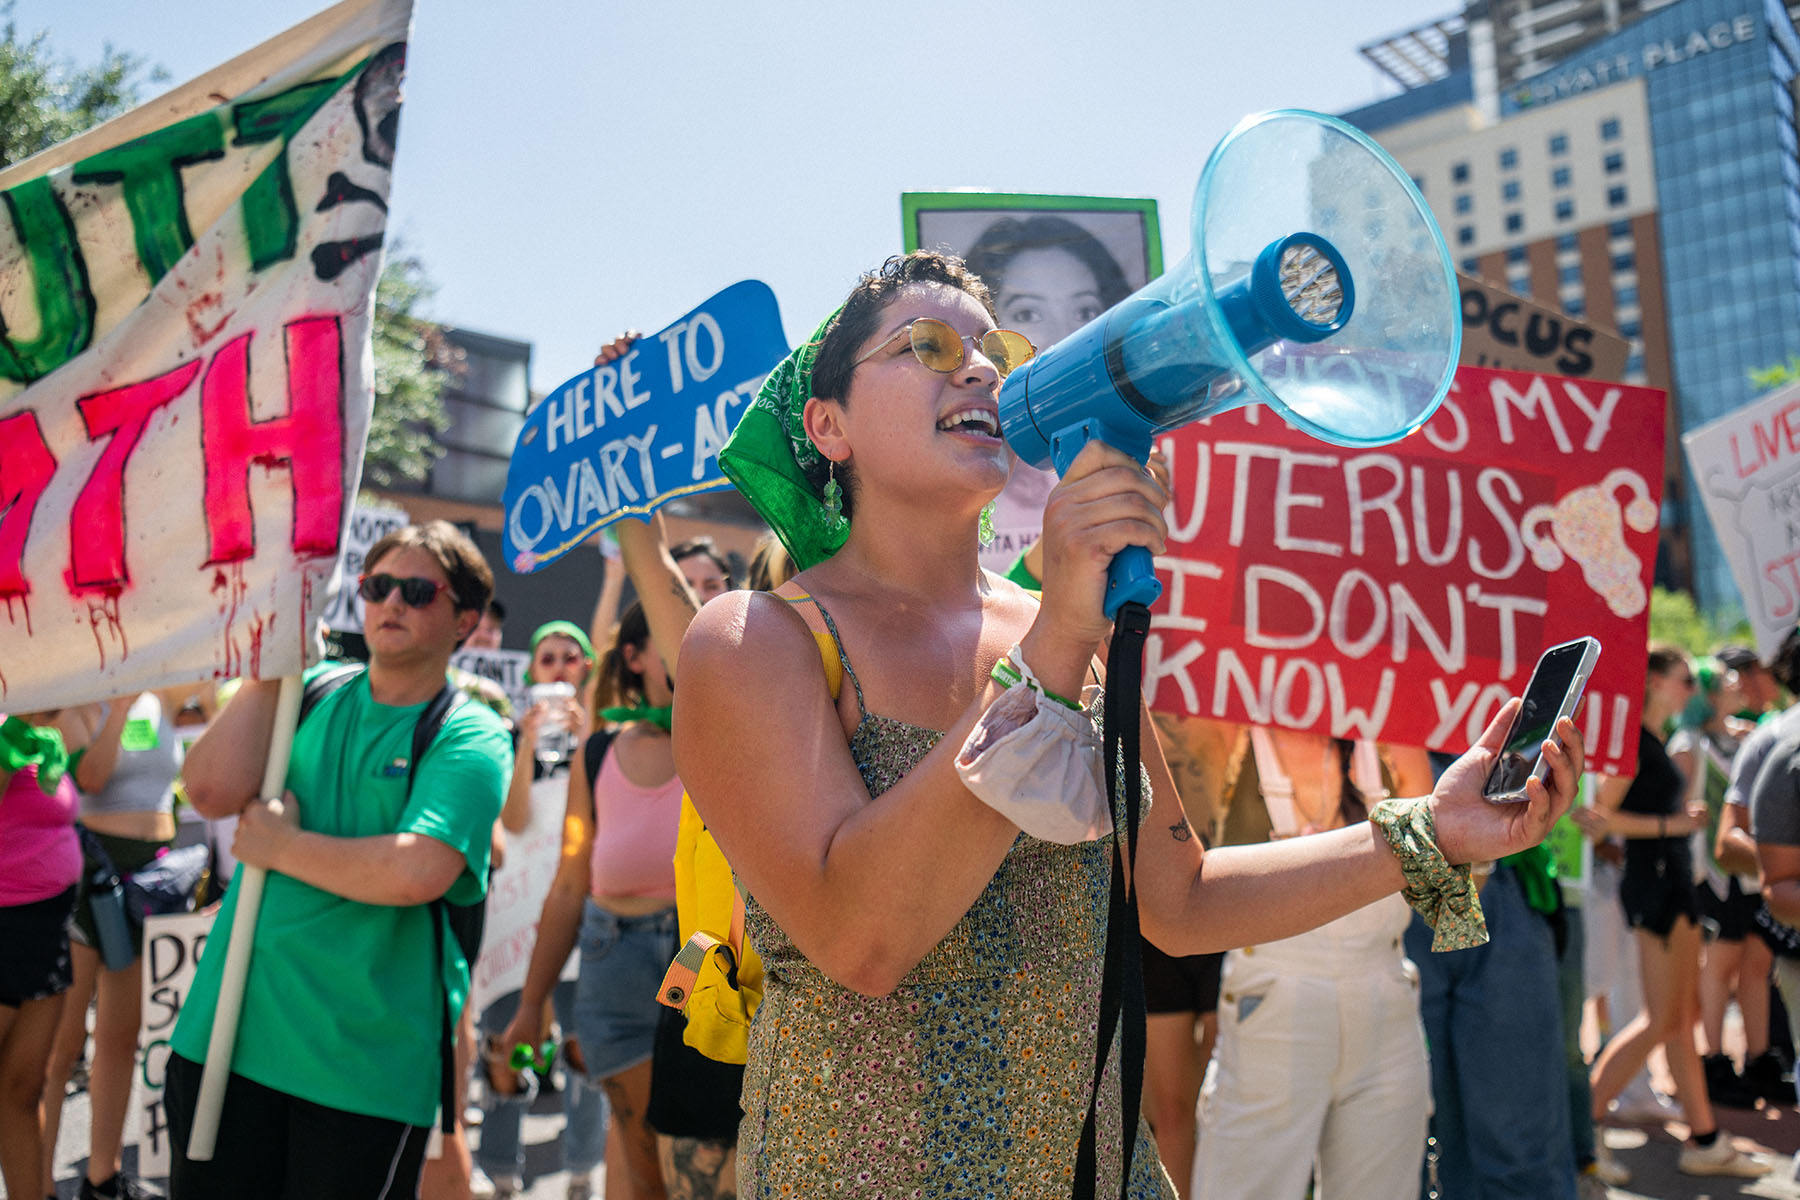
<point>1635,163</point>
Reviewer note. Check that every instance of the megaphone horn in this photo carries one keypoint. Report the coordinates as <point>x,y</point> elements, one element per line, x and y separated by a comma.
<point>1318,285</point>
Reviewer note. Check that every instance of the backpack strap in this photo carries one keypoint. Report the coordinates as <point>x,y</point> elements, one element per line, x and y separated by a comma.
<point>325,683</point>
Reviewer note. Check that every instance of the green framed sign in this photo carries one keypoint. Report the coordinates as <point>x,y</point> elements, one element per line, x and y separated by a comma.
<point>1053,262</point>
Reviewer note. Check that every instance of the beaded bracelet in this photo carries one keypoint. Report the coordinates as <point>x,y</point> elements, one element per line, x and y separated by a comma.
<point>1444,895</point>
<point>1010,671</point>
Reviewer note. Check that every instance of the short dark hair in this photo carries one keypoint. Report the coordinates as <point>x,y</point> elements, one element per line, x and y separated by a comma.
<point>1784,664</point>
<point>1010,237</point>
<point>496,610</point>
<point>703,545</point>
<point>861,317</point>
<point>471,579</point>
<point>1664,658</point>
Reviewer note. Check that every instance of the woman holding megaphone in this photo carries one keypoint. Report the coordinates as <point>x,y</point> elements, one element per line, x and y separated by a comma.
<point>919,823</point>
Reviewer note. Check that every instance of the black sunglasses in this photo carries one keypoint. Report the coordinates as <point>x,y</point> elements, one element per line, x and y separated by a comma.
<point>416,590</point>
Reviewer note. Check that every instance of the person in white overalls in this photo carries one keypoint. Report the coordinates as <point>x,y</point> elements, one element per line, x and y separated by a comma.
<point>1321,1069</point>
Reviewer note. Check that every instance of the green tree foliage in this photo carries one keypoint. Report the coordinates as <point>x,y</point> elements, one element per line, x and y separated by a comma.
<point>45,100</point>
<point>1769,378</point>
<point>1676,620</point>
<point>413,362</point>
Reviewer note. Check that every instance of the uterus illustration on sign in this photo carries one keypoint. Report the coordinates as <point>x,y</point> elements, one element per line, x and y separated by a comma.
<point>1588,525</point>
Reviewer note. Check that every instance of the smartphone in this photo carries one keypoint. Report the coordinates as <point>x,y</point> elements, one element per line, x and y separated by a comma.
<point>1555,689</point>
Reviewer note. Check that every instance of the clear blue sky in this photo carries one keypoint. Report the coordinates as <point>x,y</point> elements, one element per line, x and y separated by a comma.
<point>569,169</point>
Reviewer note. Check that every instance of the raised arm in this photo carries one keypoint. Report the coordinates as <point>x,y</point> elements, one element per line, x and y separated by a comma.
<point>95,769</point>
<point>669,604</point>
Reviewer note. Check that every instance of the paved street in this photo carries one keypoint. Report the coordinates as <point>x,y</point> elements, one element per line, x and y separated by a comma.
<point>1649,1153</point>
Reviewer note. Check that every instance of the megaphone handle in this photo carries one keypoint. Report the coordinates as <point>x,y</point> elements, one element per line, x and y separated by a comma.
<point>1132,575</point>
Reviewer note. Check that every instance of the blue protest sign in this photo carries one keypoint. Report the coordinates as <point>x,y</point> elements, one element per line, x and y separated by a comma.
<point>622,439</point>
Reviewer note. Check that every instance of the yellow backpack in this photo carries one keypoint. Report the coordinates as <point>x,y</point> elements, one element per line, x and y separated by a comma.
<point>716,979</point>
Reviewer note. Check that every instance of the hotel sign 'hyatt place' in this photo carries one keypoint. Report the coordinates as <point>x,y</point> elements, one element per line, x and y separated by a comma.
<point>1658,52</point>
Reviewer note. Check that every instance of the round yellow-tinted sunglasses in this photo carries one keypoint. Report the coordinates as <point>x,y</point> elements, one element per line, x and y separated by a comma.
<point>940,348</point>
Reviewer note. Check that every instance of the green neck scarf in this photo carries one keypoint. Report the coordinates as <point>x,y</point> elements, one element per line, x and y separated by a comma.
<point>23,745</point>
<point>768,455</point>
<point>662,718</point>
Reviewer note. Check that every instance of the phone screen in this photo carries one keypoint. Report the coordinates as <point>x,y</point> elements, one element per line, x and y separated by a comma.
<point>1543,701</point>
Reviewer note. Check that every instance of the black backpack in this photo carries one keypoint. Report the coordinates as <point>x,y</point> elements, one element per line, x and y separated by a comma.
<point>465,921</point>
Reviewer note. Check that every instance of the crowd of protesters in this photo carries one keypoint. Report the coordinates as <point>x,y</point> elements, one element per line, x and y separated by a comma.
<point>928,964</point>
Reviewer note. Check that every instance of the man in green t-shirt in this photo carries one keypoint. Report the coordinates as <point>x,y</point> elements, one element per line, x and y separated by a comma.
<point>337,1070</point>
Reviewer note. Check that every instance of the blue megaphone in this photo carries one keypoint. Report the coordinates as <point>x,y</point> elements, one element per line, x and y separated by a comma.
<point>1318,285</point>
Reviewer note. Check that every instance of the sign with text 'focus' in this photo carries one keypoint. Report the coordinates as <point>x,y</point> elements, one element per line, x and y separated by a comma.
<point>625,438</point>
<point>1403,593</point>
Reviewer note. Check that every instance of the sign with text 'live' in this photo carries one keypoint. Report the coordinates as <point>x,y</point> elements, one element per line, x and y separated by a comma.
<point>625,438</point>
<point>1403,593</point>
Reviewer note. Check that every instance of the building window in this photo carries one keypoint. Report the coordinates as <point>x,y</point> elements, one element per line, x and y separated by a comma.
<point>1565,210</point>
<point>1634,365</point>
<point>1625,297</point>
<point>1559,143</point>
<point>1615,197</point>
<point>1631,329</point>
<point>1418,183</point>
<point>1459,172</point>
<point>1509,158</point>
<point>1509,191</point>
<point>1615,162</point>
<point>1465,236</point>
<point>1575,306</point>
<point>1471,265</point>
<point>1515,254</point>
<point>1569,274</point>
<point>1619,229</point>
<point>1514,222</point>
<point>1559,177</point>
<point>1465,203</point>
<point>1609,129</point>
<point>1565,241</point>
<point>1624,262</point>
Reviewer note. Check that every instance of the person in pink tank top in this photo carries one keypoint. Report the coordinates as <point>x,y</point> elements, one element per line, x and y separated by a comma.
<point>40,863</point>
<point>614,891</point>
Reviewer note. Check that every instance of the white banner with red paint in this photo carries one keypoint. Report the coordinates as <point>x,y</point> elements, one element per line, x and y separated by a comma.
<point>1402,593</point>
<point>185,371</point>
<point>1746,467</point>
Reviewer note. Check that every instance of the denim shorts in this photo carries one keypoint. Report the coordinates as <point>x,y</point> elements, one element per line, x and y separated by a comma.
<point>622,965</point>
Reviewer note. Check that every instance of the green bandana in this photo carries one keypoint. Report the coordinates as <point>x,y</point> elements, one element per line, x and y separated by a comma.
<point>768,454</point>
<point>661,717</point>
<point>23,745</point>
<point>567,629</point>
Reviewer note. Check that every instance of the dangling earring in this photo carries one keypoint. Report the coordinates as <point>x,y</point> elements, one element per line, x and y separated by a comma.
<point>986,530</point>
<point>834,497</point>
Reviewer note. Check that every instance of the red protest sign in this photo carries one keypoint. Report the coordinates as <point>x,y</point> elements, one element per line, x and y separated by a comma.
<point>1402,593</point>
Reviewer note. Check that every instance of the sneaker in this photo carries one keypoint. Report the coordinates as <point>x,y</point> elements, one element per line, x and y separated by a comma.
<point>482,1186</point>
<point>1723,1084</point>
<point>1651,1108</point>
<point>1609,1170</point>
<point>581,1187</point>
<point>1764,1076</point>
<point>119,1187</point>
<point>1720,1158</point>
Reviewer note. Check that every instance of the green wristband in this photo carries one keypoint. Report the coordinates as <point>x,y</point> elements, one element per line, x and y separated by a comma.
<point>1008,675</point>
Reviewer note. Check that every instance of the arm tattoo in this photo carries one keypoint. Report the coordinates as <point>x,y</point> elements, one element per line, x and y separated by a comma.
<point>681,593</point>
<point>1180,831</point>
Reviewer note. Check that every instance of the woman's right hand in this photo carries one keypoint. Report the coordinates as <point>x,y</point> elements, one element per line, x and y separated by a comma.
<point>1106,502</point>
<point>526,1029</point>
<point>1693,819</point>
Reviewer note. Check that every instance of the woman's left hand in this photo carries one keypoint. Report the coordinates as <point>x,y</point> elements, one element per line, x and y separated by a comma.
<point>1472,828</point>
